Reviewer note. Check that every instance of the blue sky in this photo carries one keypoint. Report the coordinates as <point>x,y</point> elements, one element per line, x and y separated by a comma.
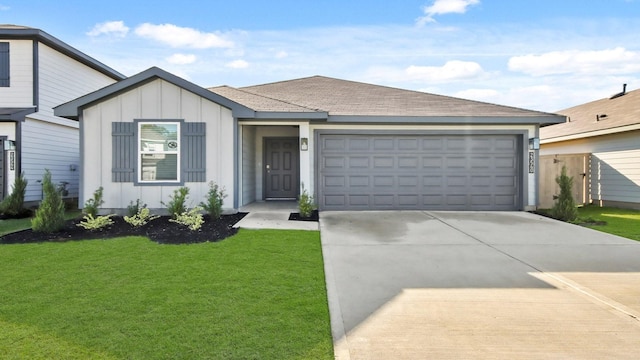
<point>544,55</point>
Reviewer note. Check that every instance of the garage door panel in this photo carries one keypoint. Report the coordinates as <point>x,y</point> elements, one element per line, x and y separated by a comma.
<point>457,172</point>
<point>359,144</point>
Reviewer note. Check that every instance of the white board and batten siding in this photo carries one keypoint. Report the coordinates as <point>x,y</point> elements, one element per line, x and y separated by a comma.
<point>615,164</point>
<point>48,141</point>
<point>20,91</point>
<point>156,100</point>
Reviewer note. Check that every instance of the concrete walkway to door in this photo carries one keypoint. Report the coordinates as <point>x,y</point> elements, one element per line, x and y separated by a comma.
<point>478,285</point>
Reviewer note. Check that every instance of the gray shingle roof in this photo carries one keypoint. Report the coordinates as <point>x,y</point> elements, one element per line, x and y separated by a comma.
<point>350,98</point>
<point>258,102</point>
<point>621,112</point>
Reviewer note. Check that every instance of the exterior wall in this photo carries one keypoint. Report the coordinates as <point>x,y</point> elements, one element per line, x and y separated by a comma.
<point>48,141</point>
<point>8,129</point>
<point>248,175</point>
<point>154,101</point>
<point>307,158</point>
<point>20,91</point>
<point>50,146</point>
<point>615,176</point>
<point>62,79</point>
<point>615,166</point>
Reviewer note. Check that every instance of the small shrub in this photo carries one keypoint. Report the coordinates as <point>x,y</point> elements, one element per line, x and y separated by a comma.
<point>134,208</point>
<point>177,205</point>
<point>192,219</point>
<point>305,204</point>
<point>50,215</point>
<point>13,205</point>
<point>564,208</point>
<point>91,206</point>
<point>91,223</point>
<point>141,218</point>
<point>214,200</point>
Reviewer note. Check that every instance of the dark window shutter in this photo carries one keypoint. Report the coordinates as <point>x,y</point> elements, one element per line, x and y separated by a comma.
<point>193,152</point>
<point>4,64</point>
<point>125,151</point>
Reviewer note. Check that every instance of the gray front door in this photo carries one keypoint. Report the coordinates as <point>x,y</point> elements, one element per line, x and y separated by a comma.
<point>419,172</point>
<point>281,168</point>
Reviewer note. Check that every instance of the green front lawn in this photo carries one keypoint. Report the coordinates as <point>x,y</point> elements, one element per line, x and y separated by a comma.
<point>257,295</point>
<point>13,225</point>
<point>621,222</point>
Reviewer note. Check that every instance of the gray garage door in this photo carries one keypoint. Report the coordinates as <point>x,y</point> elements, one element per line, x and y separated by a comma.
<point>432,172</point>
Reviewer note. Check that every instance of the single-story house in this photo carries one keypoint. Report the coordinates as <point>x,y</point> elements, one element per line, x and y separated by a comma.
<point>37,72</point>
<point>353,146</point>
<point>600,145</point>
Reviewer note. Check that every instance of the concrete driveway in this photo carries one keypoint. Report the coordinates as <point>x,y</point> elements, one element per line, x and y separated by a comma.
<point>478,285</point>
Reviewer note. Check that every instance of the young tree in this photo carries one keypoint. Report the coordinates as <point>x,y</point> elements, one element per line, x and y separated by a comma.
<point>565,208</point>
<point>50,215</point>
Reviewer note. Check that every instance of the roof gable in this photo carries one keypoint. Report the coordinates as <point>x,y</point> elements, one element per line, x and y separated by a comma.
<point>618,113</point>
<point>72,109</point>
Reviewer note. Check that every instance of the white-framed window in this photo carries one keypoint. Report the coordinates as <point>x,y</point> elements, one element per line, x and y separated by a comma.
<point>158,151</point>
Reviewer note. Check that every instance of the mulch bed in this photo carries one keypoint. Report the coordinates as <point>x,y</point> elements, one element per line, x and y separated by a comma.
<point>160,230</point>
<point>296,216</point>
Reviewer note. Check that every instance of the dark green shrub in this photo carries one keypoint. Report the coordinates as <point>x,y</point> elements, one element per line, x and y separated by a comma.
<point>215,199</point>
<point>305,204</point>
<point>564,208</point>
<point>177,206</point>
<point>91,206</point>
<point>50,215</point>
<point>13,205</point>
<point>134,208</point>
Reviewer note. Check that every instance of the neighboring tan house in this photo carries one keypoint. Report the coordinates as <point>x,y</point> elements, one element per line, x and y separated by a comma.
<point>38,72</point>
<point>600,145</point>
<point>353,146</point>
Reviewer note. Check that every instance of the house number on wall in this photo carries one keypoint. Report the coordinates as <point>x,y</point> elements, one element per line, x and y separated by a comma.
<point>532,162</point>
<point>12,161</point>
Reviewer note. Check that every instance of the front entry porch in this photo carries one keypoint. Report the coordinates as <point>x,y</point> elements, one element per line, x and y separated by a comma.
<point>272,165</point>
<point>273,214</point>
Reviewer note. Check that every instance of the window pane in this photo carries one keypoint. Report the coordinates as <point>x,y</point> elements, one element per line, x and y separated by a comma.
<point>159,167</point>
<point>159,137</point>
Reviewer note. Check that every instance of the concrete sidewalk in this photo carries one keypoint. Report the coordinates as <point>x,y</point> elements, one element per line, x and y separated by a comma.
<point>452,285</point>
<point>273,215</point>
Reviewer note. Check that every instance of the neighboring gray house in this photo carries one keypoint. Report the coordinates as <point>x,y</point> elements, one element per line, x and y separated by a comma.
<point>354,146</point>
<point>37,72</point>
<point>600,144</point>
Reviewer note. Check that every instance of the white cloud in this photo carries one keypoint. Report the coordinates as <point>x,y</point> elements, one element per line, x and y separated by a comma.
<point>441,7</point>
<point>116,28</point>
<point>451,70</point>
<point>182,37</point>
<point>237,64</point>
<point>5,8</point>
<point>608,61</point>
<point>181,59</point>
<point>281,54</point>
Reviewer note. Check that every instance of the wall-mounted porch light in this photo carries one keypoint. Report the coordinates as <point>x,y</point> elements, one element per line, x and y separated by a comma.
<point>534,143</point>
<point>304,144</point>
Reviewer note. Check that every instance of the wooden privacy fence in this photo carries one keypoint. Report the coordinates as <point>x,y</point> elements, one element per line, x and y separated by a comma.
<point>578,167</point>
